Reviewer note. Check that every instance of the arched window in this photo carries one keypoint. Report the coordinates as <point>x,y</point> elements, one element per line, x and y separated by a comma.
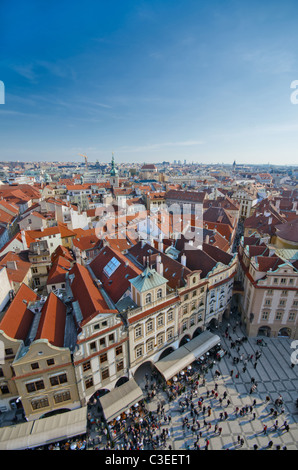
<point>159,293</point>
<point>148,298</point>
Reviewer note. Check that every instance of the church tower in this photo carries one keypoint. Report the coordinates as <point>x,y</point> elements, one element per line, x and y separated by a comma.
<point>114,178</point>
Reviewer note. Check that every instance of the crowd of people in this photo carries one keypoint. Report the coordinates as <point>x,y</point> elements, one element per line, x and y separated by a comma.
<point>201,399</point>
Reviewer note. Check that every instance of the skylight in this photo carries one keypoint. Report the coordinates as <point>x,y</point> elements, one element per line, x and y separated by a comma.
<point>111,267</point>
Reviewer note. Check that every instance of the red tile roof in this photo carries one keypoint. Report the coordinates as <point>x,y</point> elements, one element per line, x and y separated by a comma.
<point>118,283</point>
<point>18,318</point>
<point>52,321</point>
<point>89,297</point>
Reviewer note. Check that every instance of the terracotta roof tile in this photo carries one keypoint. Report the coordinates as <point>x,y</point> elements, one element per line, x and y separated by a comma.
<point>18,318</point>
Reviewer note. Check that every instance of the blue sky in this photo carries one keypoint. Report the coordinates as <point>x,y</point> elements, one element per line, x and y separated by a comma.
<point>149,80</point>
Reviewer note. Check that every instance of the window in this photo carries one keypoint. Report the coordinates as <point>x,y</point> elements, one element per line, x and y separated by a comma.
<point>170,334</point>
<point>138,331</point>
<point>111,267</point>
<point>34,366</point>
<point>111,338</point>
<point>265,316</point>
<point>103,358</point>
<point>184,326</point>
<point>93,346</point>
<point>160,321</point>
<point>120,366</point>
<point>35,386</point>
<point>275,280</point>
<point>170,316</point>
<point>102,342</point>
<point>89,382</point>
<point>58,379</point>
<point>105,374</point>
<point>139,352</point>
<point>160,340</point>
<point>4,389</point>
<point>148,299</point>
<point>278,316</point>
<point>118,350</point>
<point>34,270</point>
<point>267,302</point>
<point>159,293</point>
<point>8,352</point>
<point>42,403</point>
<point>283,280</point>
<point>149,326</point>
<point>282,302</point>
<point>292,316</point>
<point>150,345</point>
<point>86,366</point>
<point>50,362</point>
<point>60,397</point>
<point>194,293</point>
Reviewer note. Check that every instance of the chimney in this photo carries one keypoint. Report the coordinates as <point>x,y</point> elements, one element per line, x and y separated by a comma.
<point>160,244</point>
<point>183,260</point>
<point>11,265</point>
<point>270,220</point>
<point>159,265</point>
<point>207,239</point>
<point>25,246</point>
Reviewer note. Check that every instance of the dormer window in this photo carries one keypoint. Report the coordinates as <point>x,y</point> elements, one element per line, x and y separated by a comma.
<point>148,298</point>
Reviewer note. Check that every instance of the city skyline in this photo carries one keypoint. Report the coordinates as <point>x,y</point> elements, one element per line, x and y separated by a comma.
<point>149,81</point>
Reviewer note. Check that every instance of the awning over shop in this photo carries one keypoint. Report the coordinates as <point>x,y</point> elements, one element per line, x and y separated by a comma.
<point>44,431</point>
<point>202,343</point>
<point>179,359</point>
<point>16,436</point>
<point>59,427</point>
<point>120,399</point>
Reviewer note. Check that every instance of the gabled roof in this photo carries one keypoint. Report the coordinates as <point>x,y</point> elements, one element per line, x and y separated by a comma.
<point>17,266</point>
<point>187,196</point>
<point>18,318</point>
<point>85,292</point>
<point>58,271</point>
<point>114,283</point>
<point>52,321</point>
<point>173,271</point>
<point>218,215</point>
<point>218,255</point>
